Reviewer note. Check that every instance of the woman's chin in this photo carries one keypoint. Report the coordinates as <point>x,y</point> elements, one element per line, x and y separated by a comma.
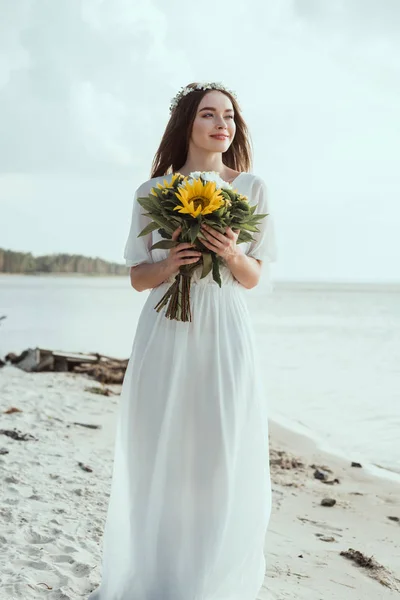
<point>219,145</point>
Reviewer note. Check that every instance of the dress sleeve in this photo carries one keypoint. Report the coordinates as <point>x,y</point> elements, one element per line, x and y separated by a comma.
<point>263,245</point>
<point>137,249</point>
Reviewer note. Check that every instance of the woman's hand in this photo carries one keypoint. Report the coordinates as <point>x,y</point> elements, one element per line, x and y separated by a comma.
<point>222,244</point>
<point>182,254</point>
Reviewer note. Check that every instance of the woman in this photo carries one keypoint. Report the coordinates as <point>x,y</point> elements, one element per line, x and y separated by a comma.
<point>190,497</point>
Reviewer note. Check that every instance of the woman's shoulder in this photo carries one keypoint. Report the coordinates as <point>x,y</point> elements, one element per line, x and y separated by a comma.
<point>252,180</point>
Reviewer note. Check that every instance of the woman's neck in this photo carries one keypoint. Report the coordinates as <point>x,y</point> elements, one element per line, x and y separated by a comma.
<point>200,160</point>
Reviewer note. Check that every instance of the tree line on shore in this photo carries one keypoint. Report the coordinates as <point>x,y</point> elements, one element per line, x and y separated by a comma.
<point>25,263</point>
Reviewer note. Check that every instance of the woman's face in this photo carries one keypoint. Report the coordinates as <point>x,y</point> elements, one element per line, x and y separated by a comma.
<point>215,115</point>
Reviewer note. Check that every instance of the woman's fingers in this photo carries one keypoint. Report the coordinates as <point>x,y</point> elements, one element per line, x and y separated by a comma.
<point>207,230</point>
<point>176,233</point>
<point>232,233</point>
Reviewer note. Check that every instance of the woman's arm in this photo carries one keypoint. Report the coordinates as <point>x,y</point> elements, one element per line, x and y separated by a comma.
<point>149,275</point>
<point>245,269</point>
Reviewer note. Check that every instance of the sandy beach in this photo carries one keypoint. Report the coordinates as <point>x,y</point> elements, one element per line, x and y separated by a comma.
<point>56,474</point>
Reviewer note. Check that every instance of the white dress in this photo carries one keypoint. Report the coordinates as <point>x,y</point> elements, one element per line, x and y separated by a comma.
<point>190,495</point>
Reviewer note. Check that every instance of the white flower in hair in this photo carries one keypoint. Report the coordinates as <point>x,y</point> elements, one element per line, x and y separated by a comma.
<point>200,86</point>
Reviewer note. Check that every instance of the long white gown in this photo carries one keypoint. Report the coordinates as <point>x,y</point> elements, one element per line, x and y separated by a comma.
<point>191,495</point>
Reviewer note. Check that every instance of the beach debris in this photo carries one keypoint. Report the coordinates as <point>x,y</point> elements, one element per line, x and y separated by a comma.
<point>323,525</point>
<point>85,467</point>
<point>321,467</point>
<point>103,391</point>
<point>374,569</point>
<point>49,587</point>
<point>323,476</point>
<point>301,575</point>
<point>328,502</point>
<point>318,474</point>
<point>284,460</point>
<point>4,451</point>
<point>89,425</point>
<point>17,435</point>
<point>104,369</point>
<point>11,410</point>
<point>325,538</point>
<point>396,519</point>
<point>331,481</point>
<point>356,464</point>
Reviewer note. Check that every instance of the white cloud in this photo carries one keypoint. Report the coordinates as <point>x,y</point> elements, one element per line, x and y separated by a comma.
<point>85,90</point>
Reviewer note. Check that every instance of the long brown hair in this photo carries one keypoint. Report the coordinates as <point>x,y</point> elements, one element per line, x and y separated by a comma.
<point>172,151</point>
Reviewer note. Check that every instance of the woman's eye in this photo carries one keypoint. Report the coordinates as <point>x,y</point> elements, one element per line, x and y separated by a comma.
<point>228,116</point>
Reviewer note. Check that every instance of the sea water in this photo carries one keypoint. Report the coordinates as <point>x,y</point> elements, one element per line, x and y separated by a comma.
<point>331,352</point>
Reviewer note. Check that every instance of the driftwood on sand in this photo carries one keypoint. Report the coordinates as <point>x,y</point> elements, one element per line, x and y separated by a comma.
<point>103,368</point>
<point>375,570</point>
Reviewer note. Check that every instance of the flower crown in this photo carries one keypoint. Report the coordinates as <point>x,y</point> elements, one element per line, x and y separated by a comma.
<point>200,86</point>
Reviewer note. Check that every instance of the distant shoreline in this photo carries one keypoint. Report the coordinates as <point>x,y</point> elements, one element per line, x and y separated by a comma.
<point>307,286</point>
<point>42,274</point>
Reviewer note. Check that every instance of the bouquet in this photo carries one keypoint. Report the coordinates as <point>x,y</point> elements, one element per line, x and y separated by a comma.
<point>186,202</point>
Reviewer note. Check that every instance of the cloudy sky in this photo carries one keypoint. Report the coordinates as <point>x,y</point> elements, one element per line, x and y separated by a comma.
<point>85,87</point>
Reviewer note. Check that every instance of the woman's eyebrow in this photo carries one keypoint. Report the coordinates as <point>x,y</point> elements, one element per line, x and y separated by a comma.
<point>212,108</point>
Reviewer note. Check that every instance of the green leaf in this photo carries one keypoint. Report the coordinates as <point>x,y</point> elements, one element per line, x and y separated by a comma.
<point>244,236</point>
<point>194,231</point>
<point>165,223</point>
<point>207,264</point>
<point>164,244</point>
<point>248,227</point>
<point>148,229</point>
<point>215,269</point>
<point>150,204</point>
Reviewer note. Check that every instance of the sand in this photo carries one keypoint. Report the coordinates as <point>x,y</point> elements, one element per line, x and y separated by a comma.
<point>55,491</point>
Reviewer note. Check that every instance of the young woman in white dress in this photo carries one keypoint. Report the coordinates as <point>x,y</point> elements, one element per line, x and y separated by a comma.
<point>190,494</point>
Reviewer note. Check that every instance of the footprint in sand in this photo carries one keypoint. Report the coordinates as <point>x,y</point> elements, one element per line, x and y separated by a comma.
<point>6,514</point>
<point>11,479</point>
<point>59,595</point>
<point>38,565</point>
<point>11,501</point>
<point>34,537</point>
<point>62,558</point>
<point>68,549</point>
<point>80,570</point>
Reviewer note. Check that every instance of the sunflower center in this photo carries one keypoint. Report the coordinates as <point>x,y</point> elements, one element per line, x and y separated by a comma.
<point>200,201</point>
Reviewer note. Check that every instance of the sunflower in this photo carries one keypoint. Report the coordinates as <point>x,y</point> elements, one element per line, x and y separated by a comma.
<point>170,185</point>
<point>199,198</point>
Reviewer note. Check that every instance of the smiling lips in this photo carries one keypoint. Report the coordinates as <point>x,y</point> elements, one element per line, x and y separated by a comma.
<point>220,137</point>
